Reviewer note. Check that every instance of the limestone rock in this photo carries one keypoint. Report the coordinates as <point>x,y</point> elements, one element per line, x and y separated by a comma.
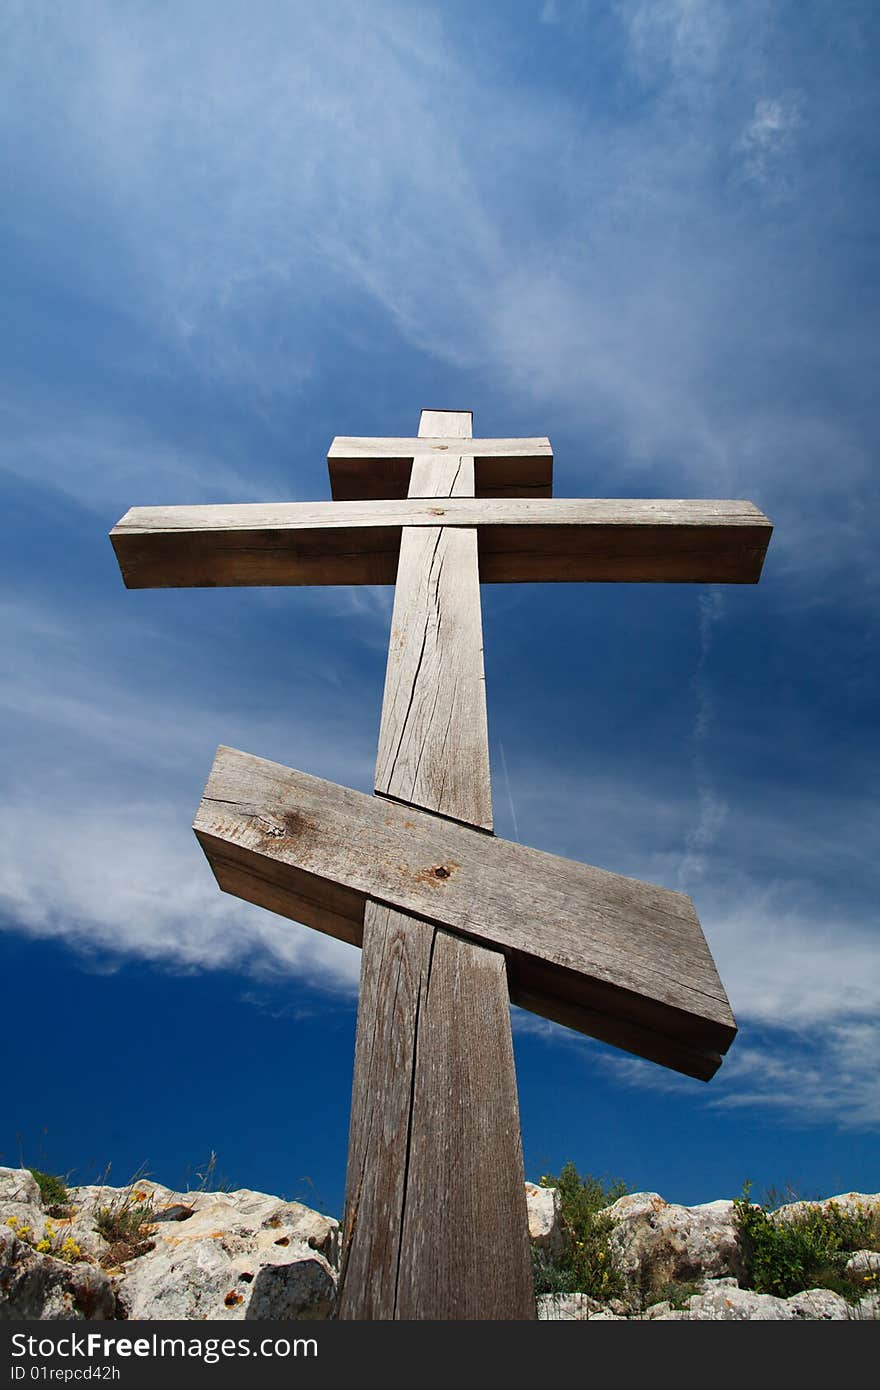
<point>91,1198</point>
<point>848,1203</point>
<point>228,1255</point>
<point>252,1210</point>
<point>204,1278</point>
<point>822,1304</point>
<point>191,1283</point>
<point>19,1185</point>
<point>300,1287</point>
<point>34,1285</point>
<point>720,1300</point>
<point>297,1221</point>
<point>724,1301</point>
<point>659,1243</point>
<point>546,1229</point>
<point>22,1214</point>
<point>568,1307</point>
<point>868,1310</point>
<point>247,1255</point>
<point>315,1230</point>
<point>234,1216</point>
<point>864,1262</point>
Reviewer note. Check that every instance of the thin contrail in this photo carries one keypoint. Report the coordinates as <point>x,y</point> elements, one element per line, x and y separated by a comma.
<point>712,810</point>
<point>507,784</point>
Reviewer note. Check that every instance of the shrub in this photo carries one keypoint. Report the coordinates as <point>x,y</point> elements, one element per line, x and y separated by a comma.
<point>589,1265</point>
<point>53,1189</point>
<point>806,1251</point>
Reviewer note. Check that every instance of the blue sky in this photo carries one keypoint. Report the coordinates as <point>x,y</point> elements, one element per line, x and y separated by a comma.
<point>647,230</point>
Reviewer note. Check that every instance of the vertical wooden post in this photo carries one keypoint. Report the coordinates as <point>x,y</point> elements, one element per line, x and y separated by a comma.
<point>435,1212</point>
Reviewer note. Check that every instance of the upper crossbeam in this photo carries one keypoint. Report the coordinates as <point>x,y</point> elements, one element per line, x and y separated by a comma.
<point>381,468</point>
<point>520,539</point>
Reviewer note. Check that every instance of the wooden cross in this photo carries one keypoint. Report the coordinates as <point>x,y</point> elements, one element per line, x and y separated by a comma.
<point>453,921</point>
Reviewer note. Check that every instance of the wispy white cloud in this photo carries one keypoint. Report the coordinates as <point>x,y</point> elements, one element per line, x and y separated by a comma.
<point>766,140</point>
<point>790,962</point>
<point>229,163</point>
<point>122,878</point>
<point>95,458</point>
<point>246,191</point>
<point>687,36</point>
<point>103,764</point>
<point>828,1075</point>
<point>248,168</point>
<point>818,1075</point>
<point>102,775</point>
<point>809,1069</point>
<point>106,748</point>
<point>798,955</point>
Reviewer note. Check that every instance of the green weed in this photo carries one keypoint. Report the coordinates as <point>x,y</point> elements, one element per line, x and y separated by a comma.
<point>588,1266</point>
<point>676,1293</point>
<point>53,1189</point>
<point>806,1251</point>
<point>126,1222</point>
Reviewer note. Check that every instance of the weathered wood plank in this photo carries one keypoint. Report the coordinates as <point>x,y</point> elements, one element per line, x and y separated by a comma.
<point>433,1114</point>
<point>380,468</point>
<point>443,425</point>
<point>369,449</point>
<point>623,960</point>
<point>446,475</point>
<point>433,741</point>
<point>510,514</point>
<point>466,1187</point>
<point>520,539</point>
<point>394,981</point>
<point>435,1155</point>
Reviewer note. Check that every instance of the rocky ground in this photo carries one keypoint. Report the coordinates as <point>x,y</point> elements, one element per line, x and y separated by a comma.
<point>230,1255</point>
<point>145,1251</point>
<point>660,1244</point>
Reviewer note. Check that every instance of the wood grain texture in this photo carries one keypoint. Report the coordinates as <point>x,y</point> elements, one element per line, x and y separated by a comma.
<point>394,983</point>
<point>622,960</point>
<point>433,741</point>
<point>435,1155</point>
<point>446,424</point>
<point>381,468</point>
<point>466,1185</point>
<point>432,1206</point>
<point>520,540</point>
<point>367,449</point>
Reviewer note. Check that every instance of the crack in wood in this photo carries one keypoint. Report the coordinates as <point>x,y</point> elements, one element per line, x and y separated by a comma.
<point>423,991</point>
<point>415,680</point>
